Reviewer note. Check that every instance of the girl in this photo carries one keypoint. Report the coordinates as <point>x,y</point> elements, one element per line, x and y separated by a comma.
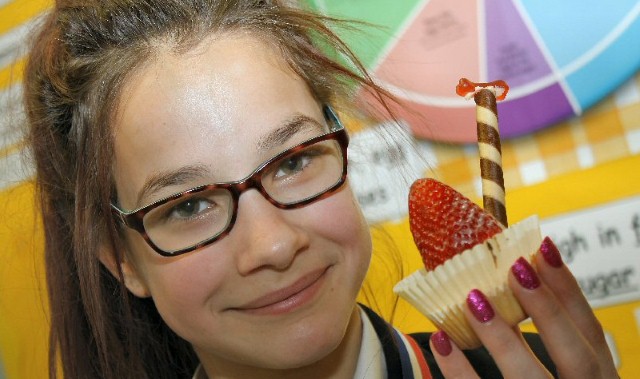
<point>192,175</point>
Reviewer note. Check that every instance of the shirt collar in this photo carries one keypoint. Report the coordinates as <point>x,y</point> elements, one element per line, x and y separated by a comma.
<point>371,362</point>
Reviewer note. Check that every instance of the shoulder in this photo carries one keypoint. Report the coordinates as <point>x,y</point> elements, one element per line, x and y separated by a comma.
<point>480,358</point>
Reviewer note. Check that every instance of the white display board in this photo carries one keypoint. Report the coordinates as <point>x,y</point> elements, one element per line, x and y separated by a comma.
<point>601,246</point>
<point>383,162</point>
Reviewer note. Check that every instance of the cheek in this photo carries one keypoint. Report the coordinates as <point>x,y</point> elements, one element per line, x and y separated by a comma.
<point>183,281</point>
<point>340,218</point>
<point>179,286</point>
<point>188,292</point>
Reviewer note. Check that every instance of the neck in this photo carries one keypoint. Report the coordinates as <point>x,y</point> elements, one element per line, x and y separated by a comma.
<point>339,364</point>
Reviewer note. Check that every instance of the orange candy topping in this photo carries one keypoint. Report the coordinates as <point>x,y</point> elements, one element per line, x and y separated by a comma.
<point>466,87</point>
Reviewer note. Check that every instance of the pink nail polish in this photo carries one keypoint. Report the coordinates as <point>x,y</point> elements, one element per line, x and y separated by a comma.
<point>479,306</point>
<point>441,343</point>
<point>550,253</point>
<point>525,274</point>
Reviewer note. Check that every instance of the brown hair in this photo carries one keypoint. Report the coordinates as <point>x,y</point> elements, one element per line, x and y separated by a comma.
<point>80,59</point>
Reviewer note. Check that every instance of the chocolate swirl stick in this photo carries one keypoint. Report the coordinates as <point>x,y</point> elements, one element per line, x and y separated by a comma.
<point>485,96</point>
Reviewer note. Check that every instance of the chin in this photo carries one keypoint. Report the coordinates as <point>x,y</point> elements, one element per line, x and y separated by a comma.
<point>309,346</point>
<point>307,343</point>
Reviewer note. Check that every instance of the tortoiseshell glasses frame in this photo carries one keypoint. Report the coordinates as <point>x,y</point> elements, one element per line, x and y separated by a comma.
<point>222,198</point>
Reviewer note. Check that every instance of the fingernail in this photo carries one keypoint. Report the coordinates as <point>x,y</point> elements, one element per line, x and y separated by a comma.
<point>550,253</point>
<point>441,343</point>
<point>479,306</point>
<point>525,274</point>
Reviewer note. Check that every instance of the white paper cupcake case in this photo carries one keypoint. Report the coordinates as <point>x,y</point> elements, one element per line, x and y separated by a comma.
<point>441,294</point>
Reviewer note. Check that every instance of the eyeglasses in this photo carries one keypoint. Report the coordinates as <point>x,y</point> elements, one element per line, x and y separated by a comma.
<point>197,217</point>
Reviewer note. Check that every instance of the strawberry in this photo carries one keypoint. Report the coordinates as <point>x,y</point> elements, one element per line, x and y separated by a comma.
<point>445,223</point>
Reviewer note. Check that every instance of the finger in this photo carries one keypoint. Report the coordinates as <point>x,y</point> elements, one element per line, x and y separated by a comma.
<point>565,288</point>
<point>506,345</point>
<point>571,352</point>
<point>451,361</point>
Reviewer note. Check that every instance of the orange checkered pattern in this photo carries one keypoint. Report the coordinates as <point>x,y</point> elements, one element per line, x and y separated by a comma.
<point>606,132</point>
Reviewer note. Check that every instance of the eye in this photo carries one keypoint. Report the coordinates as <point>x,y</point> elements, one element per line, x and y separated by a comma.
<point>190,209</point>
<point>187,210</point>
<point>292,165</point>
<point>190,218</point>
<point>295,163</point>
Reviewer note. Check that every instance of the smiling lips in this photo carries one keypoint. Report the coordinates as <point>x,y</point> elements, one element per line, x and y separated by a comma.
<point>286,299</point>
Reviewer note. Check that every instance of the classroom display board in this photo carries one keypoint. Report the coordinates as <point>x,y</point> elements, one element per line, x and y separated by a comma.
<point>558,57</point>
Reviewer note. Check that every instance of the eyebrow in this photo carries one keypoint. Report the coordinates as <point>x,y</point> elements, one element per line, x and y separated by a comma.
<point>289,128</point>
<point>168,178</point>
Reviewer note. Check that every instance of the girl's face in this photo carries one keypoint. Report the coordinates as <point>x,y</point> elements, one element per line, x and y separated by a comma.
<point>279,290</point>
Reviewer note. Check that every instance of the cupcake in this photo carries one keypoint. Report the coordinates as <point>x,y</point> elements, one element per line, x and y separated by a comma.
<point>463,248</point>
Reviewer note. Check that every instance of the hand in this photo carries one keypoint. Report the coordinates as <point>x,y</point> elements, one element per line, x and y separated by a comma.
<point>566,324</point>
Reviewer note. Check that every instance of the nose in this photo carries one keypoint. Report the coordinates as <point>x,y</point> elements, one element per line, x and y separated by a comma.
<point>268,237</point>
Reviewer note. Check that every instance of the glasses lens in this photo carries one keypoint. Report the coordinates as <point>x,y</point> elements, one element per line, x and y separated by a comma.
<point>190,219</point>
<point>304,173</point>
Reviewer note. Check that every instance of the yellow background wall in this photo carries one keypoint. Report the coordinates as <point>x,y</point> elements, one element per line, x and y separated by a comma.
<point>23,322</point>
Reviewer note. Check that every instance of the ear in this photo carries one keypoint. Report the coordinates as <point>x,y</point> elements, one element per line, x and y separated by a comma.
<point>134,282</point>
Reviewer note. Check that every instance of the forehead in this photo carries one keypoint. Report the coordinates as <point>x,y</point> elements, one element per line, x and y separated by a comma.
<point>223,75</point>
<point>207,107</point>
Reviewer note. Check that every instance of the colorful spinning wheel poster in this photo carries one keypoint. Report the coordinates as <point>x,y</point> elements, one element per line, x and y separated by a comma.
<point>559,57</point>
